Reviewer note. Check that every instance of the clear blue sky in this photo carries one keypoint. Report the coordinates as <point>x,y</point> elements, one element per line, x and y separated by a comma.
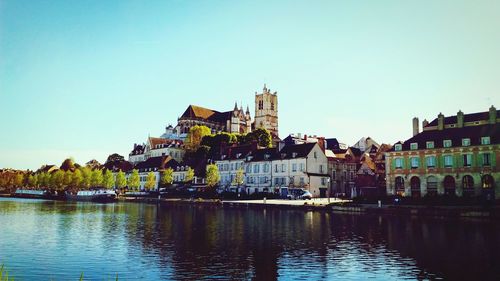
<point>89,78</point>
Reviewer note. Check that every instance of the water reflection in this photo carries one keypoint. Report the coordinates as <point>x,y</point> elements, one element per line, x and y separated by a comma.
<point>140,241</point>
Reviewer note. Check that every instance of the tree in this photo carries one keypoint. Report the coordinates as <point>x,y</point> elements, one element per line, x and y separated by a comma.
<point>108,180</point>
<point>133,180</point>
<point>189,175</point>
<point>68,165</point>
<point>77,179</point>
<point>44,179</point>
<point>167,177</point>
<point>86,177</point>
<point>239,179</point>
<point>150,181</point>
<point>121,180</point>
<point>32,180</point>
<point>19,180</point>
<point>57,180</point>
<point>68,178</point>
<point>115,157</point>
<point>96,178</point>
<point>194,137</point>
<point>213,176</point>
<point>262,136</point>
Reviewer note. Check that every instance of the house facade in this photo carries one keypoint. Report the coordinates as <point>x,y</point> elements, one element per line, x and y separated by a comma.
<point>454,155</point>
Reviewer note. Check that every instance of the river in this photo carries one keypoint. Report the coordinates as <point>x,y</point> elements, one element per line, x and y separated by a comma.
<point>50,240</point>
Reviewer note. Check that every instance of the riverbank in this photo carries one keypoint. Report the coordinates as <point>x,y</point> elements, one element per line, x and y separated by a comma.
<point>338,206</point>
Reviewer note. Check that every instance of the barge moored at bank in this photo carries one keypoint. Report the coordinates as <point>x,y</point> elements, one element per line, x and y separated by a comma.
<point>98,195</point>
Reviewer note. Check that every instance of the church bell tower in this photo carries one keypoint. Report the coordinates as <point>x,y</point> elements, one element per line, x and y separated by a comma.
<point>266,111</point>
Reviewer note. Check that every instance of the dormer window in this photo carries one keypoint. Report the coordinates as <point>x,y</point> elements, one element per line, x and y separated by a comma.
<point>485,140</point>
<point>267,156</point>
<point>466,142</point>
<point>430,144</point>
<point>447,143</point>
<point>295,155</point>
<point>238,155</point>
<point>398,147</point>
<point>413,146</point>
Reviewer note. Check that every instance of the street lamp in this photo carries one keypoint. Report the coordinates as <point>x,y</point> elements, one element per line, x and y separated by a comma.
<point>329,189</point>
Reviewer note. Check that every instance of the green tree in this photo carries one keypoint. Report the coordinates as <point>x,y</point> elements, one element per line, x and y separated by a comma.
<point>133,180</point>
<point>32,181</point>
<point>77,179</point>
<point>19,180</point>
<point>121,180</point>
<point>167,177</point>
<point>150,181</point>
<point>86,178</point>
<point>239,179</point>
<point>194,137</point>
<point>68,178</point>
<point>57,180</point>
<point>213,176</point>
<point>68,165</point>
<point>108,180</point>
<point>96,178</point>
<point>189,175</point>
<point>44,179</point>
<point>262,136</point>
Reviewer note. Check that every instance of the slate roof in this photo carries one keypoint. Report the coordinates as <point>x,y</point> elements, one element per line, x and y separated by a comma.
<point>260,154</point>
<point>297,150</point>
<point>471,117</point>
<point>236,152</point>
<point>115,166</point>
<point>138,149</point>
<point>455,135</point>
<point>157,163</point>
<point>198,112</point>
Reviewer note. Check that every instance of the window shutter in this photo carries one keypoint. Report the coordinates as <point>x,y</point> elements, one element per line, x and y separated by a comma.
<point>493,159</point>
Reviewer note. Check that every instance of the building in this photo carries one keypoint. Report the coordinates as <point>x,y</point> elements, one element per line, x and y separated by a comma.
<point>342,171</point>
<point>455,155</point>
<point>230,161</point>
<point>156,147</point>
<point>266,111</point>
<point>154,165</point>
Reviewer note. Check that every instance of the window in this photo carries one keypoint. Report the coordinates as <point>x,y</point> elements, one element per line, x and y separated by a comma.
<point>399,163</point>
<point>276,168</point>
<point>320,169</point>
<point>448,161</point>
<point>301,167</point>
<point>486,159</point>
<point>302,181</point>
<point>465,142</point>
<point>294,167</point>
<point>315,154</point>
<point>431,161</point>
<point>333,175</point>
<point>283,168</point>
<point>323,181</point>
<point>467,160</point>
<point>266,168</point>
<point>398,147</point>
<point>485,140</point>
<point>413,146</point>
<point>430,144</point>
<point>414,162</point>
<point>447,143</point>
<point>256,168</point>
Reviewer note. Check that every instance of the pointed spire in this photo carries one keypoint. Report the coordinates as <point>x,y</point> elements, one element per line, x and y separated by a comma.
<point>265,88</point>
<point>235,106</point>
<point>248,110</point>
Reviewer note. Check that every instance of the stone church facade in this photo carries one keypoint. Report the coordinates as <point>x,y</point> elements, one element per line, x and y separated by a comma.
<point>236,120</point>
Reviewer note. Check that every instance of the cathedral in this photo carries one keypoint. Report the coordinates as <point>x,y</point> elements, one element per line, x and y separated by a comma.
<point>236,120</point>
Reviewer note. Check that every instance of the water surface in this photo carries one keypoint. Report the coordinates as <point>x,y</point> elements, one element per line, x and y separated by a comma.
<point>48,240</point>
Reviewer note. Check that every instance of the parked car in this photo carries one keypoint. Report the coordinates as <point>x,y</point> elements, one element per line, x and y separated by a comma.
<point>299,193</point>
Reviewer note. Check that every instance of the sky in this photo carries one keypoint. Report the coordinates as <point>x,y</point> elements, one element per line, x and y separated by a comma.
<point>85,79</point>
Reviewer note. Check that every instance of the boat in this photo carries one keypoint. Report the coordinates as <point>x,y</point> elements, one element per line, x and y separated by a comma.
<point>97,195</point>
<point>31,193</point>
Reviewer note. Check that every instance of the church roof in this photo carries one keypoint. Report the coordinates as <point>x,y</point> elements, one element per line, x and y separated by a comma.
<point>198,112</point>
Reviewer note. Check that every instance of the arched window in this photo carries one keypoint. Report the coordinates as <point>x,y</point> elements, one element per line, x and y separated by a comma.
<point>272,106</point>
<point>467,182</point>
<point>488,181</point>
<point>432,185</point>
<point>400,185</point>
<point>415,186</point>
<point>449,185</point>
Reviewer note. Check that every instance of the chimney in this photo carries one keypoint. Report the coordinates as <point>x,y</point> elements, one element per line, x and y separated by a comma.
<point>440,121</point>
<point>460,119</point>
<point>493,115</point>
<point>321,143</point>
<point>416,129</point>
<point>425,123</point>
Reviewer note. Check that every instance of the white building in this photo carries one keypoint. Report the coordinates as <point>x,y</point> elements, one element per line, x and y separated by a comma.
<point>231,160</point>
<point>157,147</point>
